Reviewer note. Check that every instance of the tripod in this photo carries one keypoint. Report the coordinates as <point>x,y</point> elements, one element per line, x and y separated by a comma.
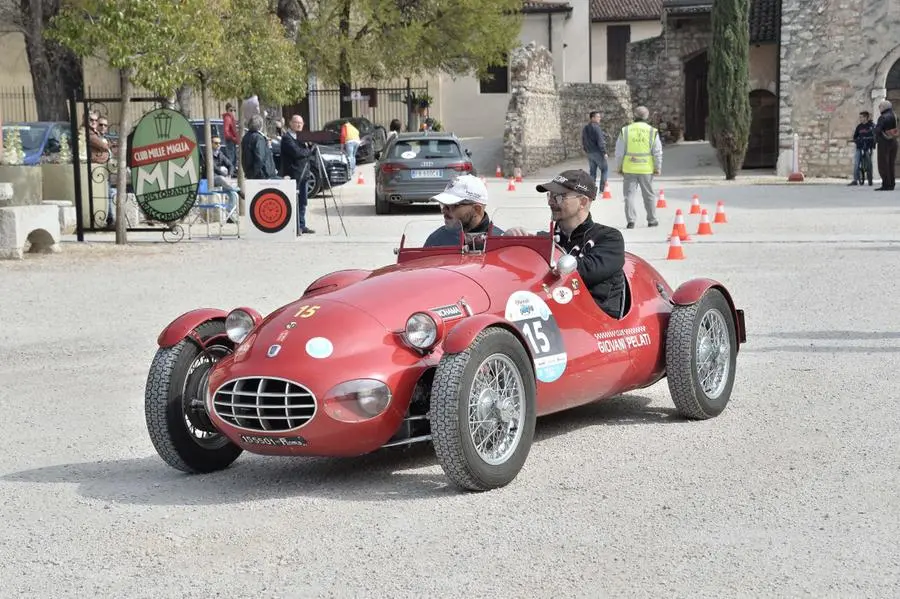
<point>339,212</point>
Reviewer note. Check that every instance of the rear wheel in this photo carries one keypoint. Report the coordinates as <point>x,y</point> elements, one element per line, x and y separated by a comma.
<point>701,356</point>
<point>383,205</point>
<point>174,408</point>
<point>483,411</point>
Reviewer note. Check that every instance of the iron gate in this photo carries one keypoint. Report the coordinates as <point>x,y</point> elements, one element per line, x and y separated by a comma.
<point>95,173</point>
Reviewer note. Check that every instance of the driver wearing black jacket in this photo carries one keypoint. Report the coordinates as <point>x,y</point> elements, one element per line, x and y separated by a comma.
<point>600,249</point>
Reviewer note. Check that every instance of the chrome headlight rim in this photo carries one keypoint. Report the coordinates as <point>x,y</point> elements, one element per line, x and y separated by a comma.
<point>239,323</point>
<point>432,332</point>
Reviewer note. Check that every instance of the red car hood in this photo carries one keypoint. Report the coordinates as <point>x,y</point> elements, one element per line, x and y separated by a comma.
<point>392,293</point>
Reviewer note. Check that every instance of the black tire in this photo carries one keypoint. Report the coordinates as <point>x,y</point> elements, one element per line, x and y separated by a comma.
<point>170,385</point>
<point>313,183</point>
<point>383,205</point>
<point>450,391</point>
<point>688,393</point>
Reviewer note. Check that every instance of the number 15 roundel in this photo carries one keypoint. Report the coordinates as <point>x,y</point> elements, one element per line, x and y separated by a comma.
<point>530,314</point>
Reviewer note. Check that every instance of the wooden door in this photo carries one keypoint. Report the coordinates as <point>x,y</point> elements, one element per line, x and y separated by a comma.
<point>762,148</point>
<point>696,98</point>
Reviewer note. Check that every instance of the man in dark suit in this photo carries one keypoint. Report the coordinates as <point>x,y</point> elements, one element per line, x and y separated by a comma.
<point>886,136</point>
<point>296,163</point>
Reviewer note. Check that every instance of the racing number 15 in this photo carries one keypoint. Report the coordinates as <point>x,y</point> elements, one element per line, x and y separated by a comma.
<point>536,337</point>
<point>306,311</point>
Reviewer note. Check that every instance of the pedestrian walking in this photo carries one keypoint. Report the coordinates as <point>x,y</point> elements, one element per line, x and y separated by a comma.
<point>638,159</point>
<point>593,142</point>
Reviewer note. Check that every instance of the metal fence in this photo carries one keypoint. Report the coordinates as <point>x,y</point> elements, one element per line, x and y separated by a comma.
<point>325,105</point>
<point>17,104</point>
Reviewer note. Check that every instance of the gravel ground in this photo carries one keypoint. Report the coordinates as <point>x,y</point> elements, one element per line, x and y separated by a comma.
<point>792,491</point>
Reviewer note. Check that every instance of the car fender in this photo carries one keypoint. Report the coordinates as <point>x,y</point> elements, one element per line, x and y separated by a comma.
<point>461,336</point>
<point>179,328</point>
<point>690,292</point>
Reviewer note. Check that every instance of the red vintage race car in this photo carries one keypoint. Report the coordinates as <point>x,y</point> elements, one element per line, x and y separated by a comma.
<point>463,346</point>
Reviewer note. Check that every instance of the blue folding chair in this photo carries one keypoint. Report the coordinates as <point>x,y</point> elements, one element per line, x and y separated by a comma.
<point>221,208</point>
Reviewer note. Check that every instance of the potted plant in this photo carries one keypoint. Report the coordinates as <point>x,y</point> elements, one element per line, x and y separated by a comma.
<point>424,101</point>
<point>25,179</point>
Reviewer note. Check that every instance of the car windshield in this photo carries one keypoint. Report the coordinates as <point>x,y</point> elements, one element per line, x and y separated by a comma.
<point>335,126</point>
<point>32,135</point>
<point>412,149</point>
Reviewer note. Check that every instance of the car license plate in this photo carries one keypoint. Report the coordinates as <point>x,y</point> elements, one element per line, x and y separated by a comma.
<point>428,174</point>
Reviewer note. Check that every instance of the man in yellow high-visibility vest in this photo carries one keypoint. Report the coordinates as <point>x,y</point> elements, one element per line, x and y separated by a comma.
<point>638,158</point>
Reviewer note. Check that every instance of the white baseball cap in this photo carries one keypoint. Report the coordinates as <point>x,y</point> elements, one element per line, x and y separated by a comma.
<point>464,188</point>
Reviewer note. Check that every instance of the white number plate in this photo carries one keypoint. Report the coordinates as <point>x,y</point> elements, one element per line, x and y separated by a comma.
<point>429,174</point>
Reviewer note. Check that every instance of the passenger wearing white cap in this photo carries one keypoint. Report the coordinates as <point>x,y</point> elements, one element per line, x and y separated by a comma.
<point>463,204</point>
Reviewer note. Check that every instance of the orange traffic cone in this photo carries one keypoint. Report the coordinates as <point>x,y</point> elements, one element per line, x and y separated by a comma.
<point>518,173</point>
<point>360,180</point>
<point>512,184</point>
<point>499,172</point>
<point>607,195</point>
<point>695,205</point>
<point>678,228</point>
<point>676,251</point>
<point>720,213</point>
<point>705,228</point>
<point>661,202</point>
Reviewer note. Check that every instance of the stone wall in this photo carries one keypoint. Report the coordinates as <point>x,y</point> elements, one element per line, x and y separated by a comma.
<point>829,55</point>
<point>655,67</point>
<point>532,138</point>
<point>577,100</point>
<point>544,121</point>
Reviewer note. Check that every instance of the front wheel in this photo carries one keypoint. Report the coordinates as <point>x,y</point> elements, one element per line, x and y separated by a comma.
<point>701,356</point>
<point>483,411</point>
<point>313,183</point>
<point>177,421</point>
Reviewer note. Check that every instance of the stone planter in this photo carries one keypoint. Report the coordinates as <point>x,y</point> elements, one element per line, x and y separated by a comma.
<point>26,182</point>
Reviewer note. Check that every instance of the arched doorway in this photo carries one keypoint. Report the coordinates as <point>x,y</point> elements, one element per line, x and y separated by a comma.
<point>696,98</point>
<point>892,87</point>
<point>762,147</point>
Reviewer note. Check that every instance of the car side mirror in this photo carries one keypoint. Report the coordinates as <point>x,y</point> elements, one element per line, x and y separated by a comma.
<point>468,152</point>
<point>565,265</point>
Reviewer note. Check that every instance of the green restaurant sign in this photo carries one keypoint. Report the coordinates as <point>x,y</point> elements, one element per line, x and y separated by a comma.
<point>165,165</point>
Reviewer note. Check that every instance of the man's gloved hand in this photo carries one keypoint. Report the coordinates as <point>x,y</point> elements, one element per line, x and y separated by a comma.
<point>516,232</point>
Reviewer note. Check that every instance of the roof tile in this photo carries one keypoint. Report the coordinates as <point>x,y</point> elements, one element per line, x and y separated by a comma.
<point>625,10</point>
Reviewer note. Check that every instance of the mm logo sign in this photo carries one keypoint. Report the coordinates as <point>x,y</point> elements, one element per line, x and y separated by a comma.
<point>165,165</point>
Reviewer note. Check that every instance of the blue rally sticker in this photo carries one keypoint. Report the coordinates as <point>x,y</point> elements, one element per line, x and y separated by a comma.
<point>531,315</point>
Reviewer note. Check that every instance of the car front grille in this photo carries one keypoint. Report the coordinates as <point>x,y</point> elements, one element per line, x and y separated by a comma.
<point>338,173</point>
<point>264,404</point>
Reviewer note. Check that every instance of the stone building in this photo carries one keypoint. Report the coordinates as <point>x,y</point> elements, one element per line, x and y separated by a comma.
<point>837,58</point>
<point>668,74</point>
<point>813,67</point>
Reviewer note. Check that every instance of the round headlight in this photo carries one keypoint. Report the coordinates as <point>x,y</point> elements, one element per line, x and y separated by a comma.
<point>421,330</point>
<point>238,325</point>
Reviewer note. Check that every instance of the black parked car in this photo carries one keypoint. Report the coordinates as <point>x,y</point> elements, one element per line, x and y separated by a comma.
<point>372,137</point>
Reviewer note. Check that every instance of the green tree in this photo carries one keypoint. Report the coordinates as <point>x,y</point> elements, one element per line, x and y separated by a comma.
<point>374,39</point>
<point>258,58</point>
<point>729,83</point>
<point>155,44</point>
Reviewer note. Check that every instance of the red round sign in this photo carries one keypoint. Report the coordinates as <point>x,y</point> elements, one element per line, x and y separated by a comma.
<point>270,210</point>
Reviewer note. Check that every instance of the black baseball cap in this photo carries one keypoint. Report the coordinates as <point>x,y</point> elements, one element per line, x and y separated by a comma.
<point>576,180</point>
